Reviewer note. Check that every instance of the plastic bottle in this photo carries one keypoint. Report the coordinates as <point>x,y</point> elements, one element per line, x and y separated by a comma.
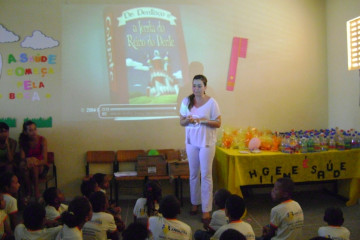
<point>347,141</point>
<point>303,145</point>
<point>310,144</point>
<point>316,144</point>
<point>323,143</point>
<point>354,141</point>
<point>332,143</point>
<point>340,143</point>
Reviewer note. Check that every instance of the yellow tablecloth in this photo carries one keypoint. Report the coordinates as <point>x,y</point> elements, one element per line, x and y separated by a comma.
<point>235,169</point>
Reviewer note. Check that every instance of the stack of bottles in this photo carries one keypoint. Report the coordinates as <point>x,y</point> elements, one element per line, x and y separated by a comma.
<point>319,140</point>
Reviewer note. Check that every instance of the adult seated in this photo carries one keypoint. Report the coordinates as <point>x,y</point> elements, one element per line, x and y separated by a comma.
<point>33,154</point>
<point>7,149</point>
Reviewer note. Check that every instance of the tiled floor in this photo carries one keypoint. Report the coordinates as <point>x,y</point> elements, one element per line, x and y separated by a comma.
<point>313,203</point>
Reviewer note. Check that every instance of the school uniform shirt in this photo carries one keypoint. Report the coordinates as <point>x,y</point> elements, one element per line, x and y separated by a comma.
<point>218,219</point>
<point>22,233</point>
<point>288,218</point>
<point>165,228</point>
<point>334,232</point>
<point>52,213</point>
<point>98,226</point>
<point>3,217</point>
<point>67,233</point>
<point>11,204</point>
<point>240,226</point>
<point>140,208</point>
<point>200,135</point>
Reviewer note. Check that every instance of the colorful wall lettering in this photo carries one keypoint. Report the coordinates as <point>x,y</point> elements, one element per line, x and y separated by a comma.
<point>9,121</point>
<point>41,122</point>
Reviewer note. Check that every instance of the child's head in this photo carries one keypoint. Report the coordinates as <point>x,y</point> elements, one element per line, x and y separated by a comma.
<point>99,201</point>
<point>135,231</point>
<point>2,201</point>
<point>34,216</point>
<point>53,197</point>
<point>220,198</point>
<point>232,234</point>
<point>334,216</point>
<point>88,187</point>
<point>79,212</point>
<point>102,180</point>
<point>4,131</point>
<point>169,206</point>
<point>283,189</point>
<point>9,183</point>
<point>152,193</point>
<point>234,207</point>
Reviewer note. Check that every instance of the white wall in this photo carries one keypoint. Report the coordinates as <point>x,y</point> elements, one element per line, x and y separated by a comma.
<point>282,84</point>
<point>344,89</point>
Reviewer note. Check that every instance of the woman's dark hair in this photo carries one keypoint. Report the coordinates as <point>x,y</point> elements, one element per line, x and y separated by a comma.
<point>169,206</point>
<point>50,195</point>
<point>334,216</point>
<point>98,201</point>
<point>220,197</point>
<point>135,231</point>
<point>24,138</point>
<point>235,207</point>
<point>33,216</point>
<point>232,234</point>
<point>192,96</point>
<point>77,212</point>
<point>152,193</point>
<point>5,181</point>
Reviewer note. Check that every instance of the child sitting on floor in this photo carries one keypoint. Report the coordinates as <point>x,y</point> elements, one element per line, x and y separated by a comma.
<point>102,224</point>
<point>78,213</point>
<point>5,230</point>
<point>9,186</point>
<point>33,227</point>
<point>54,206</point>
<point>148,205</point>
<point>88,187</point>
<point>102,180</point>
<point>135,231</point>
<point>334,217</point>
<point>218,217</point>
<point>167,226</point>
<point>287,218</point>
<point>234,209</point>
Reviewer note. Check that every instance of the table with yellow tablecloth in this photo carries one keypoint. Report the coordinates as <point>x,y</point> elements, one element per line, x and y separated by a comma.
<point>235,169</point>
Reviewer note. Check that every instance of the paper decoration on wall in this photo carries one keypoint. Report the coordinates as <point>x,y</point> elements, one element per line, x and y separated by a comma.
<point>7,36</point>
<point>39,41</point>
<point>9,121</point>
<point>239,48</point>
<point>41,122</point>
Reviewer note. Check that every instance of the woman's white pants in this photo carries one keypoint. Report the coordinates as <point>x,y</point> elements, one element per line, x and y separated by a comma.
<point>200,166</point>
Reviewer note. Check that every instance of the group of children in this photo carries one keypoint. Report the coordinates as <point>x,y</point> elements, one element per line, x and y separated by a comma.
<point>155,217</point>
<point>91,216</point>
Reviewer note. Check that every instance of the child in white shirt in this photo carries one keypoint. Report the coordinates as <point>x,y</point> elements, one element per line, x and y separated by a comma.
<point>53,198</point>
<point>218,217</point>
<point>148,205</point>
<point>78,213</point>
<point>287,218</point>
<point>234,209</point>
<point>334,217</point>
<point>10,186</point>
<point>167,226</point>
<point>5,230</point>
<point>33,227</point>
<point>102,224</point>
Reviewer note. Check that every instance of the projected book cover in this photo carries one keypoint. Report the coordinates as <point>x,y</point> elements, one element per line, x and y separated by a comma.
<point>146,58</point>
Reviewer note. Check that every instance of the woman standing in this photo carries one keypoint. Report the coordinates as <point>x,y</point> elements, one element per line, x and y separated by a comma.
<point>33,153</point>
<point>200,115</point>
